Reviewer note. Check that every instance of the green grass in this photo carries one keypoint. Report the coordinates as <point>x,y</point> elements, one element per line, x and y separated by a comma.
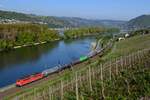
<point>128,46</point>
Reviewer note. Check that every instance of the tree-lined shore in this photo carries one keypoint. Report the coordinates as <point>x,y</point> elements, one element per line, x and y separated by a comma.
<point>12,35</point>
<point>80,32</point>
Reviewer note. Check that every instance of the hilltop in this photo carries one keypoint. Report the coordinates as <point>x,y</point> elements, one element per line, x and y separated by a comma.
<point>142,21</point>
<point>15,17</point>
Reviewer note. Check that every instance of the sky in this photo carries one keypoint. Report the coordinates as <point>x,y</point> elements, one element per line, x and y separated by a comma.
<point>91,9</point>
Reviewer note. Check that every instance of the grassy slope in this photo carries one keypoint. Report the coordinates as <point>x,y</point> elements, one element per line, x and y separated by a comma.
<point>128,46</point>
<point>135,77</point>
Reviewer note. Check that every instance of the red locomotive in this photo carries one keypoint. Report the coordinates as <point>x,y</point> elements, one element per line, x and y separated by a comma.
<point>29,79</point>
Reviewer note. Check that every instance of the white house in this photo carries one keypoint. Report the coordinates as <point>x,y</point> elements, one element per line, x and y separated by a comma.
<point>127,35</point>
<point>121,38</point>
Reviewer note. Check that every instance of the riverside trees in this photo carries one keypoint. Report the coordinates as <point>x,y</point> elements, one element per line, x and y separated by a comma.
<point>24,34</point>
<point>85,31</point>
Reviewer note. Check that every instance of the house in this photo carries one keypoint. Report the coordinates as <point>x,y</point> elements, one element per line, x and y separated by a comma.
<point>121,38</point>
<point>126,35</point>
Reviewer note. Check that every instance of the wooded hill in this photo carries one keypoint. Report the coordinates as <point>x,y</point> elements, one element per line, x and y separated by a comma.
<point>139,22</point>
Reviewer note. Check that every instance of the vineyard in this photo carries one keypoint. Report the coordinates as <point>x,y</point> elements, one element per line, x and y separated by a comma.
<point>97,80</point>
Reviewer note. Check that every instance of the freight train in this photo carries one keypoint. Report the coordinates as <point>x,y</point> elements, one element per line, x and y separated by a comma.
<point>37,76</point>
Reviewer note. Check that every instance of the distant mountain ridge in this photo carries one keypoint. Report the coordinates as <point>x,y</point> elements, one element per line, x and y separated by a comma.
<point>142,21</point>
<point>53,21</point>
<point>75,21</point>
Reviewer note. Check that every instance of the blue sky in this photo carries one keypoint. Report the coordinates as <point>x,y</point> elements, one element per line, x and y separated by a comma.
<point>92,9</point>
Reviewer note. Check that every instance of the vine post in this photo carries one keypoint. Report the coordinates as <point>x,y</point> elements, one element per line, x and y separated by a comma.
<point>62,91</point>
<point>77,91</point>
<point>90,81</point>
<point>102,85</point>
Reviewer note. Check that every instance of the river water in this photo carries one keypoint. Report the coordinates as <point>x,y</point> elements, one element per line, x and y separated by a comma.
<point>28,60</point>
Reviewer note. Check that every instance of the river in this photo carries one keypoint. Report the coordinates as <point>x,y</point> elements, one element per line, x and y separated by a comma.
<point>28,60</point>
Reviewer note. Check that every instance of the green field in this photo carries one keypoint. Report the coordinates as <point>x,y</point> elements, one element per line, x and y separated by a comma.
<point>128,46</point>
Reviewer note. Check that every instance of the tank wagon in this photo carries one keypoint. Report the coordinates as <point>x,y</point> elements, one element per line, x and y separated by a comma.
<point>50,71</point>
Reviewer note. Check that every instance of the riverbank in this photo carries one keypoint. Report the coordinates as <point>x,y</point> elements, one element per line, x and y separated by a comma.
<point>74,33</point>
<point>44,42</point>
<point>29,45</point>
<point>35,44</point>
<point>86,35</point>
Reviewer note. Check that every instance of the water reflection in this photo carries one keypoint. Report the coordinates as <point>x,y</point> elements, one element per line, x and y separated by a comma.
<point>25,54</point>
